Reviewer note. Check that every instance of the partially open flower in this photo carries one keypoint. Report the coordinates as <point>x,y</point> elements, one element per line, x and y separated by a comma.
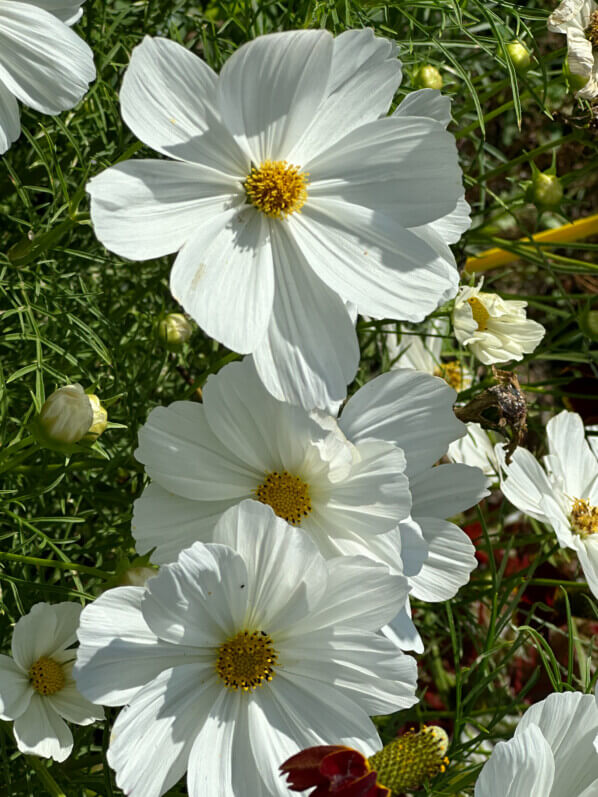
<point>404,764</point>
<point>494,329</point>
<point>69,416</point>
<point>578,20</point>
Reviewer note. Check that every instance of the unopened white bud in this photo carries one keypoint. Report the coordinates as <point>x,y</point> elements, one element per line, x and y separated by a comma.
<point>174,330</point>
<point>66,416</point>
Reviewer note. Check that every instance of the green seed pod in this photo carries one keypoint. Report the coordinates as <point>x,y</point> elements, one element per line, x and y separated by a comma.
<point>519,56</point>
<point>576,82</point>
<point>174,330</point>
<point>428,77</point>
<point>545,190</point>
<point>588,322</point>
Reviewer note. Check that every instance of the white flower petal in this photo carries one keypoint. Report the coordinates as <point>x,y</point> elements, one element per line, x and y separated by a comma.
<point>370,260</point>
<point>221,760</point>
<point>446,230</point>
<point>414,548</point>
<point>408,408</point>
<point>405,167</point>
<point>446,490</point>
<point>266,433</point>
<point>201,599</point>
<point>183,455</point>
<point>148,208</point>
<point>364,75</point>
<point>224,278</point>
<point>360,593</point>
<point>40,731</point>
<point>375,496</point>
<point>286,574</point>
<point>402,631</point>
<point>367,668</point>
<point>168,99</point>
<point>10,122</point>
<point>587,551</point>
<point>15,689</point>
<point>152,738</point>
<point>170,524</point>
<point>34,635</point>
<point>310,352</point>
<point>270,89</point>
<point>578,463</point>
<point>426,102</point>
<point>70,704</point>
<point>67,621</point>
<point>42,62</point>
<point>522,766</point>
<point>568,721</point>
<point>118,653</point>
<point>526,483</point>
<point>451,559</point>
<point>68,11</point>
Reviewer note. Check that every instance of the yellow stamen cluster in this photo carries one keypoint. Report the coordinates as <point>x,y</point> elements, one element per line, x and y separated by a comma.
<point>451,373</point>
<point>288,496</point>
<point>584,517</point>
<point>247,660</point>
<point>592,29</point>
<point>479,312</point>
<point>46,676</point>
<point>277,188</point>
<point>406,763</point>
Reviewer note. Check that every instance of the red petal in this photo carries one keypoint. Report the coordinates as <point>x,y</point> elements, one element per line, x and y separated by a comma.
<point>303,769</point>
<point>362,787</point>
<point>344,765</point>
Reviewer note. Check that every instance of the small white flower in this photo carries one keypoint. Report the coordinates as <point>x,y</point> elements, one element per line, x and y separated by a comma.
<point>425,354</point>
<point>477,449</point>
<point>551,754</point>
<point>578,20</point>
<point>240,654</point>
<point>37,688</point>
<point>42,62</point>
<point>341,479</point>
<point>496,330</point>
<point>289,194</point>
<point>565,493</point>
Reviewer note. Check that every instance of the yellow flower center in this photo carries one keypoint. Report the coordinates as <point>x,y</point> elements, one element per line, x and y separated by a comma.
<point>479,312</point>
<point>584,517</point>
<point>287,495</point>
<point>277,188</point>
<point>592,29</point>
<point>451,373</point>
<point>247,660</point>
<point>46,676</point>
<point>406,763</point>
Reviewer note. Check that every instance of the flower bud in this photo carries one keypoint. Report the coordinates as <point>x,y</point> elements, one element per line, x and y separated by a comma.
<point>65,417</point>
<point>100,419</point>
<point>428,77</point>
<point>588,322</point>
<point>519,56</point>
<point>174,330</point>
<point>546,190</point>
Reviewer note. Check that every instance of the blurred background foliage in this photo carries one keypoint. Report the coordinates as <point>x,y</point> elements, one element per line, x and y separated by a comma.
<point>72,312</point>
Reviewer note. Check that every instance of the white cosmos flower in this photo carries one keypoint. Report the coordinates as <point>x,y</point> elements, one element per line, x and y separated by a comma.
<point>425,354</point>
<point>496,330</point>
<point>564,493</point>
<point>240,654</point>
<point>287,197</point>
<point>37,688</point>
<point>42,62</point>
<point>578,20</point>
<point>477,449</point>
<point>551,754</point>
<point>342,480</point>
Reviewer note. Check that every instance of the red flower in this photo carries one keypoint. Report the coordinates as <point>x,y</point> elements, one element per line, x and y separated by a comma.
<point>333,770</point>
